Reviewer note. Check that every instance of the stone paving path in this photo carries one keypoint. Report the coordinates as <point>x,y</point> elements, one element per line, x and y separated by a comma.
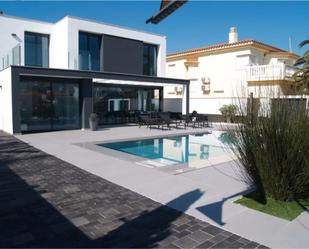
<point>46,202</point>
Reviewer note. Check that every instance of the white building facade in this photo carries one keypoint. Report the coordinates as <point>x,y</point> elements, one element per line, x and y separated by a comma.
<point>228,73</point>
<point>54,75</point>
<point>64,39</point>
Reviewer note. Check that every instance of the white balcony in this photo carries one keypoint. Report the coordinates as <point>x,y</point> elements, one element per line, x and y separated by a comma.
<point>269,72</point>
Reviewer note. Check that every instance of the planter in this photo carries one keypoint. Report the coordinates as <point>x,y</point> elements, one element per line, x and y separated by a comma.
<point>93,124</point>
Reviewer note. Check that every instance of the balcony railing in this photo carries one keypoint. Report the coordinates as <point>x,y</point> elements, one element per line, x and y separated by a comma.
<point>10,58</point>
<point>269,72</point>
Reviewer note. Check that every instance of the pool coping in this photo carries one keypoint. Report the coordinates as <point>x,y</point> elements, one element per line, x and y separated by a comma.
<point>140,161</point>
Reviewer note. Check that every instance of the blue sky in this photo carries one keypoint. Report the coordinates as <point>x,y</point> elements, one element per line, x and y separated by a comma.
<point>196,24</point>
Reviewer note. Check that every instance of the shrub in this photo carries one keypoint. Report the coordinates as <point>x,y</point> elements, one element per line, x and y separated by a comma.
<point>228,112</point>
<point>274,152</point>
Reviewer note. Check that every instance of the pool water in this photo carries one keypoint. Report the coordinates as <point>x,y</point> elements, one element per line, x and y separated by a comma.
<point>180,149</point>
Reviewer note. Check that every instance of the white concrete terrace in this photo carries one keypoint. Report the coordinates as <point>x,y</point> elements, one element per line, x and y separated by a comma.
<point>221,184</point>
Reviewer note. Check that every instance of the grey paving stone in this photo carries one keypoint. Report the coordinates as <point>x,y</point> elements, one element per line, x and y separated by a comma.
<point>244,241</point>
<point>212,230</point>
<point>222,244</point>
<point>171,246</point>
<point>233,238</point>
<point>252,244</point>
<point>218,238</point>
<point>236,244</point>
<point>206,244</point>
<point>186,242</point>
<point>46,202</point>
<point>168,241</point>
<point>200,236</point>
<point>79,221</point>
<point>226,234</point>
<point>194,228</point>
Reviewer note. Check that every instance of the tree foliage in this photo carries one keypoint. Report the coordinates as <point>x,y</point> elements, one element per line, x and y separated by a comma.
<point>301,76</point>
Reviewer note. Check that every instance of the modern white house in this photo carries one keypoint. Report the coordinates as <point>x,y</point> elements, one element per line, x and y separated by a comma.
<point>54,75</point>
<point>229,73</point>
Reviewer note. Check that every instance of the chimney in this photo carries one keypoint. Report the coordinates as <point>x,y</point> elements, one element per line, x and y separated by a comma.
<point>233,35</point>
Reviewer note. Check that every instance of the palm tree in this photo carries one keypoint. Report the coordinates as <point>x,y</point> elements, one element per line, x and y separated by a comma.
<point>301,76</point>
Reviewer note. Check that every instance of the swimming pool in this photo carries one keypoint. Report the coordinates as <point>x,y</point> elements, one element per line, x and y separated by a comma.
<point>190,150</point>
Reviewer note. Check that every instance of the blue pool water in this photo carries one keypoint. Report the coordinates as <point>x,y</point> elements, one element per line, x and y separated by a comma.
<point>176,149</point>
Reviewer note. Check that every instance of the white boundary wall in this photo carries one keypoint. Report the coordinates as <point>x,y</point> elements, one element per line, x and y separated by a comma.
<point>6,108</point>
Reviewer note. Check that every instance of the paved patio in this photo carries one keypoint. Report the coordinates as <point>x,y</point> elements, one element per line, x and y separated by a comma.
<point>46,202</point>
<point>218,185</point>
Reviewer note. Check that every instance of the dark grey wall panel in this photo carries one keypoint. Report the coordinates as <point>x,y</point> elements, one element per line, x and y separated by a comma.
<point>87,106</point>
<point>15,102</point>
<point>172,105</point>
<point>121,55</point>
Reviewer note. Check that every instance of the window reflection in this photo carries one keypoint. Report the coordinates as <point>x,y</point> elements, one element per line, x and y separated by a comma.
<point>89,51</point>
<point>65,106</point>
<point>121,104</point>
<point>150,60</point>
<point>35,106</point>
<point>36,50</point>
<point>49,106</point>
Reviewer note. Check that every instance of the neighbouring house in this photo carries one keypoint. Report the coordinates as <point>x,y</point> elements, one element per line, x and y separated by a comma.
<point>229,73</point>
<point>54,75</point>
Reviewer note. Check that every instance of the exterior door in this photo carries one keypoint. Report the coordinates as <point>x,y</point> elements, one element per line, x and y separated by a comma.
<point>35,106</point>
<point>46,106</point>
<point>65,106</point>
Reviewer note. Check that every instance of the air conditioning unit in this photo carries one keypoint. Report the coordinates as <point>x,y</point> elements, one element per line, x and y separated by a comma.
<point>205,80</point>
<point>206,88</point>
<point>178,89</point>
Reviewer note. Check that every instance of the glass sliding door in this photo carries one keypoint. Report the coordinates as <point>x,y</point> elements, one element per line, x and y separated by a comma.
<point>65,106</point>
<point>120,104</point>
<point>35,106</point>
<point>48,106</point>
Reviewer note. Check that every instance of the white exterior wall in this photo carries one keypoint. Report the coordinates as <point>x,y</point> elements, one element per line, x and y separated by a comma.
<point>18,26</point>
<point>227,81</point>
<point>6,108</point>
<point>63,43</point>
<point>227,72</point>
<point>75,25</point>
<point>59,42</point>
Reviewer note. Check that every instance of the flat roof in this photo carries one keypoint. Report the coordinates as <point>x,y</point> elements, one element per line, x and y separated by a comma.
<point>79,18</point>
<point>80,74</point>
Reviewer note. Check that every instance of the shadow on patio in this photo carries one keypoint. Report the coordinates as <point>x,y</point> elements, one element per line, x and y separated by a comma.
<point>44,204</point>
<point>214,210</point>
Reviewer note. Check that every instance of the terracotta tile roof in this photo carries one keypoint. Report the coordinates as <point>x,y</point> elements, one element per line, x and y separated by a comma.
<point>240,43</point>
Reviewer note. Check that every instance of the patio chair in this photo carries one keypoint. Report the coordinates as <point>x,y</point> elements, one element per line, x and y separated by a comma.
<point>166,120</point>
<point>202,120</point>
<point>199,120</point>
<point>149,121</point>
<point>189,120</point>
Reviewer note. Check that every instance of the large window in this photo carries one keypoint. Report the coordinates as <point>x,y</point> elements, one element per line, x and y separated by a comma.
<point>89,51</point>
<point>49,106</point>
<point>150,60</point>
<point>119,104</point>
<point>36,50</point>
